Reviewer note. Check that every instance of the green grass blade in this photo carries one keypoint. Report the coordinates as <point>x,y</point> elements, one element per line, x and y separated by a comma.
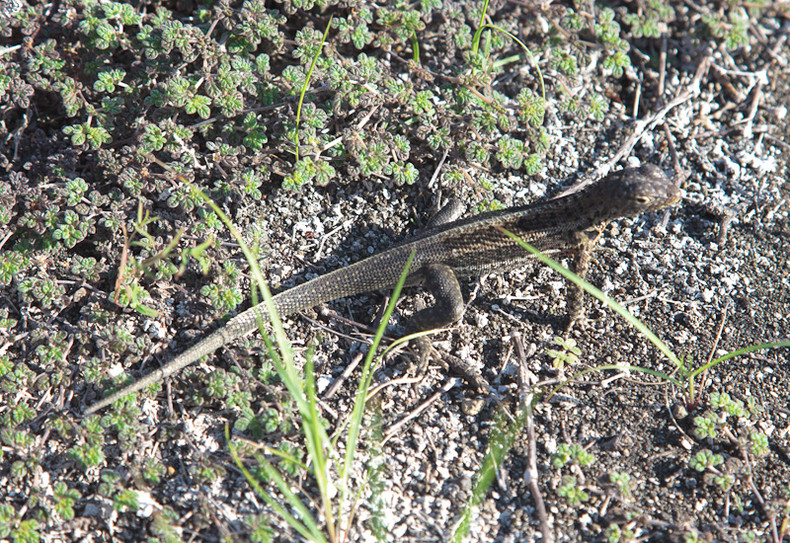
<point>316,438</point>
<point>739,352</point>
<point>480,27</point>
<point>367,376</point>
<point>502,439</point>
<point>415,46</point>
<point>306,83</point>
<point>287,371</point>
<point>611,303</point>
<point>615,367</point>
<point>527,52</point>
<point>318,444</point>
<point>309,529</point>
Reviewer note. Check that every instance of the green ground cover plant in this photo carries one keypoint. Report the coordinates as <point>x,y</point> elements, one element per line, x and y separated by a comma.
<point>303,121</point>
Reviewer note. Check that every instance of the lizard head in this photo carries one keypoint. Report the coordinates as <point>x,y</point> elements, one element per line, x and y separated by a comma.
<point>632,191</point>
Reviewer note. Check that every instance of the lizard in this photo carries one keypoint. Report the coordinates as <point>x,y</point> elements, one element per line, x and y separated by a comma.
<point>451,248</point>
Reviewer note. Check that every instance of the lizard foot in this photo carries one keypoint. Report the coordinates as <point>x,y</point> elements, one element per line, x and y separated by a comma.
<point>468,372</point>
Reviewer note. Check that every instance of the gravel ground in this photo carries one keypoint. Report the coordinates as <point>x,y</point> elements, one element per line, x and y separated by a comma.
<point>617,455</point>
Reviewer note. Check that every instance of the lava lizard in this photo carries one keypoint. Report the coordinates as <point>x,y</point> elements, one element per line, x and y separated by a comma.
<point>451,248</point>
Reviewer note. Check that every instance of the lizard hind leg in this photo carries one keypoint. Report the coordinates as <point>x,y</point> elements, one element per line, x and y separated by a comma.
<point>448,308</point>
<point>449,303</point>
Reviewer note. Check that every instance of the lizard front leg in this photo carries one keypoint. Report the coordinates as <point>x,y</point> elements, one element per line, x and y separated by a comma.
<point>585,242</point>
